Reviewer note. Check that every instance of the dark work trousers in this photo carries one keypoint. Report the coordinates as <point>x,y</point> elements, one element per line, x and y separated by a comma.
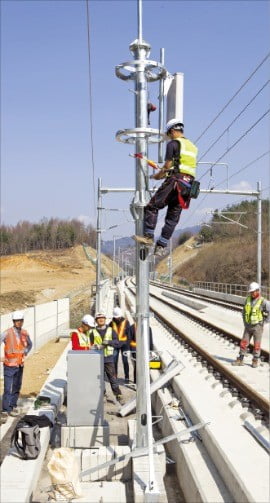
<point>166,195</point>
<point>110,373</point>
<point>12,386</point>
<point>256,332</point>
<point>116,351</point>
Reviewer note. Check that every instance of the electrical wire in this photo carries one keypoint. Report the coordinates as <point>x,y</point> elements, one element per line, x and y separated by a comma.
<point>237,92</point>
<point>225,179</point>
<point>244,167</point>
<point>90,103</point>
<point>237,141</point>
<point>234,120</point>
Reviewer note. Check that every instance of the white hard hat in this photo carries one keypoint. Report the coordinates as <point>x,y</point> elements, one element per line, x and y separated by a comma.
<point>18,315</point>
<point>253,286</point>
<point>100,315</point>
<point>88,320</point>
<point>174,124</point>
<point>117,312</point>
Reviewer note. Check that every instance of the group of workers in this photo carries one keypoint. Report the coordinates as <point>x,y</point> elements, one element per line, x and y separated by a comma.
<point>113,338</point>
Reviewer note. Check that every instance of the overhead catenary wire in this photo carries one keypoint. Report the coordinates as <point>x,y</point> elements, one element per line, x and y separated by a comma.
<point>244,167</point>
<point>237,141</point>
<point>190,215</point>
<point>234,96</point>
<point>90,103</point>
<point>235,119</point>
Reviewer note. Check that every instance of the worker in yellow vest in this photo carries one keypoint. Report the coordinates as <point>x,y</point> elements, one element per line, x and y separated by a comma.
<point>179,186</point>
<point>80,338</point>
<point>256,312</point>
<point>104,338</point>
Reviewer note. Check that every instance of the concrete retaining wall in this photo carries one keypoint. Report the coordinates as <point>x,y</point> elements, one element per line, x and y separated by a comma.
<point>42,321</point>
<point>222,296</point>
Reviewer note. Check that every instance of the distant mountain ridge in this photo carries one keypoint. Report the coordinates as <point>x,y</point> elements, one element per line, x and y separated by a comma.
<point>127,242</point>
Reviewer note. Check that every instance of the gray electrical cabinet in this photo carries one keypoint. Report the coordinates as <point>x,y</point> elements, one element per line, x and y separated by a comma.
<point>85,388</point>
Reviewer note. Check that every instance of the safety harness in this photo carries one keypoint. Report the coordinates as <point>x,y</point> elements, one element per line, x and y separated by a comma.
<point>185,164</point>
<point>191,191</point>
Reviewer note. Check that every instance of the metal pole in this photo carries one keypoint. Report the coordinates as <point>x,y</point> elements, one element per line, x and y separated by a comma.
<point>170,263</point>
<point>140,51</point>
<point>259,238</point>
<point>113,259</point>
<point>144,435</point>
<point>119,248</point>
<point>139,8</point>
<point>161,109</point>
<point>98,263</point>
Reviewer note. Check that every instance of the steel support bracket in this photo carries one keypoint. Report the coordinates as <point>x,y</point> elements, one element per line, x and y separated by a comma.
<point>172,370</point>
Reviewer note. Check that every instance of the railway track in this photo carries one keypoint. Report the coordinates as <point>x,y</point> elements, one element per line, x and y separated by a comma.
<point>232,305</point>
<point>235,401</point>
<point>211,345</point>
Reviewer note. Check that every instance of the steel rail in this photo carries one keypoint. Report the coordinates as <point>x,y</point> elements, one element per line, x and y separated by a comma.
<point>211,326</point>
<point>261,402</point>
<point>219,302</point>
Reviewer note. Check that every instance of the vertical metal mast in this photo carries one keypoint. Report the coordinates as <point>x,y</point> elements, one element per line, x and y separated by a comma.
<point>98,247</point>
<point>259,237</point>
<point>141,70</point>
<point>140,51</point>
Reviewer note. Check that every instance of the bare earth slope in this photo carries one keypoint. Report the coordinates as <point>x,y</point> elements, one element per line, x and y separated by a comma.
<point>42,276</point>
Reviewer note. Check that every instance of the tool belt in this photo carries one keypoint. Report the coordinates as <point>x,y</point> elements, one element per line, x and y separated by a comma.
<point>186,190</point>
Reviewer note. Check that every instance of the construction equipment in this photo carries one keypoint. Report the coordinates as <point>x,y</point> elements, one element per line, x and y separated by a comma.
<point>150,163</point>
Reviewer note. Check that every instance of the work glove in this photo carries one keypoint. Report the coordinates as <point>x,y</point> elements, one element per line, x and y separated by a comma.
<point>98,346</point>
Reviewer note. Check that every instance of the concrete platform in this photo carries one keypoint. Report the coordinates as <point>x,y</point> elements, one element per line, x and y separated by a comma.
<point>85,436</point>
<point>107,492</point>
<point>18,476</point>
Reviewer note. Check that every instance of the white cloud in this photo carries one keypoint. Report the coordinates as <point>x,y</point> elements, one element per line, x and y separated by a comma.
<point>86,220</point>
<point>243,185</point>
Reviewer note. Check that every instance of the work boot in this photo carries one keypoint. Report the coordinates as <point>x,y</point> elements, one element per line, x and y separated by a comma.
<point>4,416</point>
<point>255,363</point>
<point>120,399</point>
<point>146,240</point>
<point>238,362</point>
<point>13,413</point>
<point>159,251</point>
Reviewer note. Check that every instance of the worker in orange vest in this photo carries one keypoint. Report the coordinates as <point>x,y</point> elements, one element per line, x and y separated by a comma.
<point>17,344</point>
<point>80,338</point>
<point>122,327</point>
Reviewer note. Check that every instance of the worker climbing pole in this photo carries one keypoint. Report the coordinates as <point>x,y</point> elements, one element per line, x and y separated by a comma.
<point>142,71</point>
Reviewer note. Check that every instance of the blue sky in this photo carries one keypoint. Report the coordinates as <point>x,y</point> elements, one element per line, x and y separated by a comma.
<point>47,167</point>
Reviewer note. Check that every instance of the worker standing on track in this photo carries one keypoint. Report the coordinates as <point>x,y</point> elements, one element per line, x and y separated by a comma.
<point>17,344</point>
<point>122,327</point>
<point>256,312</point>
<point>80,338</point>
<point>179,172</point>
<point>103,337</point>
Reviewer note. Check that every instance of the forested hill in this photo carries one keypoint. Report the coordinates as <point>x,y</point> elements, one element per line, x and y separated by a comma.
<point>53,234</point>
<point>228,252</point>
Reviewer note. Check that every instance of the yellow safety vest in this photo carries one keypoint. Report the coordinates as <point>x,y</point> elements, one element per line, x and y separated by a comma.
<point>188,157</point>
<point>84,338</point>
<point>253,313</point>
<point>120,330</point>
<point>108,350</point>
